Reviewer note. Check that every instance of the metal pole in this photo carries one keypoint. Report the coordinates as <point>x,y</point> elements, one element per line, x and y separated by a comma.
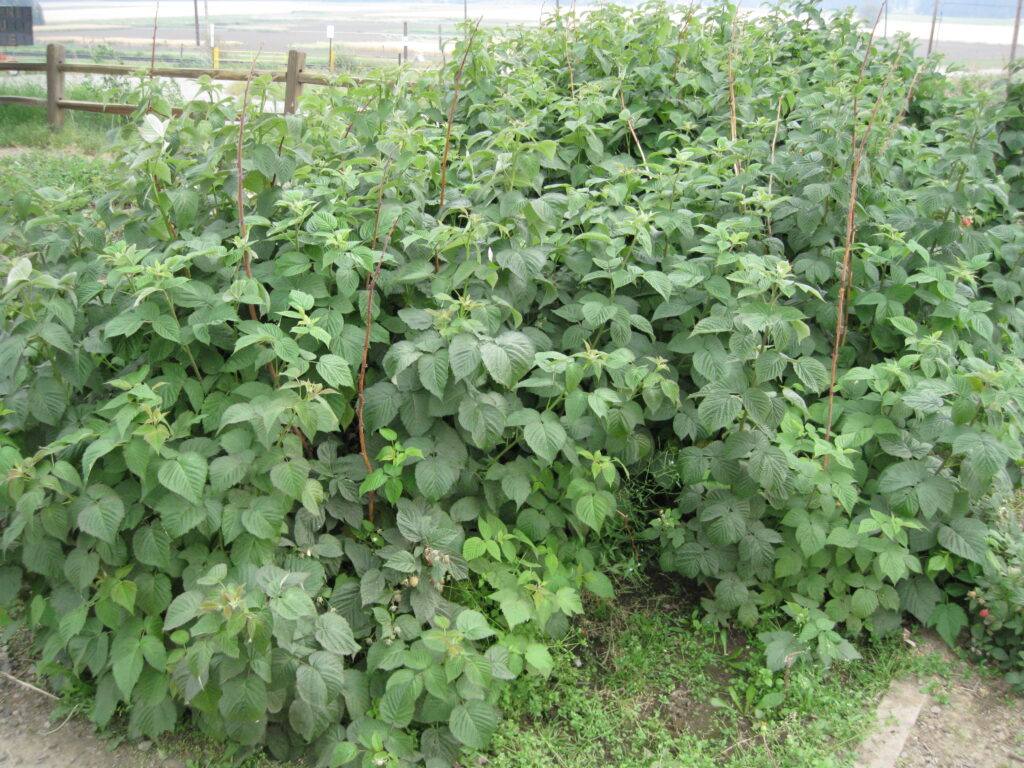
<point>931,37</point>
<point>195,7</point>
<point>405,41</point>
<point>1016,33</point>
<point>885,30</point>
<point>465,10</point>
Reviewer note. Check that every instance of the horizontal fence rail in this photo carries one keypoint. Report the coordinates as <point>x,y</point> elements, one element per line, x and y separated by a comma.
<point>55,67</point>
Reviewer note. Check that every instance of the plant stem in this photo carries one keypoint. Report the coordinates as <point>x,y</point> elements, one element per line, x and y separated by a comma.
<point>451,118</point>
<point>371,286</point>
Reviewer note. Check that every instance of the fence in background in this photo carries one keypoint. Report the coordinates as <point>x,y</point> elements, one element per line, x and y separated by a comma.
<point>56,67</point>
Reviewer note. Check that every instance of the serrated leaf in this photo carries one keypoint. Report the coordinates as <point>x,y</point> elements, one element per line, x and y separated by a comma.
<point>464,356</point>
<point>948,619</point>
<point>185,475</point>
<point>966,537</point>
<point>718,410</point>
<point>289,477</point>
<point>101,513</point>
<point>473,723</point>
<point>398,704</point>
<point>433,371</point>
<point>335,370</point>
<point>435,477</point>
<point>812,373</point>
<point>334,634</point>
<point>545,437</point>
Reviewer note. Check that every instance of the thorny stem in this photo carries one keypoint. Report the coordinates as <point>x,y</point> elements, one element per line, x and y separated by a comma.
<point>568,63</point>
<point>152,50</point>
<point>361,109</point>
<point>771,159</point>
<point>370,288</point>
<point>629,123</point>
<point>903,109</point>
<point>174,314</point>
<point>240,200</point>
<point>451,118</point>
<point>851,226</point>
<point>681,37</point>
<point>380,203</point>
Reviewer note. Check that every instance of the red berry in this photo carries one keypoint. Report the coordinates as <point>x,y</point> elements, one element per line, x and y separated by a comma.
<point>983,613</point>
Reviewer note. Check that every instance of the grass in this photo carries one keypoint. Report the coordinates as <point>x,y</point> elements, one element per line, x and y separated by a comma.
<point>27,126</point>
<point>643,683</point>
<point>36,169</point>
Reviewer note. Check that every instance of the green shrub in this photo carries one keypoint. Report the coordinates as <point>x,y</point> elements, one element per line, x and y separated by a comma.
<point>324,480</point>
<point>997,599</point>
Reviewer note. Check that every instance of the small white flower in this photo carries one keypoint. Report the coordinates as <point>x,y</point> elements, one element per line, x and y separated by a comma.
<point>490,254</point>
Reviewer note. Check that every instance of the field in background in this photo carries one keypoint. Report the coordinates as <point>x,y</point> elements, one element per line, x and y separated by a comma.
<point>369,34</point>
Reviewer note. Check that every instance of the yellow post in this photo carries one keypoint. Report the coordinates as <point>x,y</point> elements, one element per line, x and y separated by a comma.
<point>216,58</point>
<point>331,62</point>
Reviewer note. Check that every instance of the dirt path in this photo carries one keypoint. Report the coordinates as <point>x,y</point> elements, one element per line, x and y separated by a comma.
<point>29,738</point>
<point>958,718</point>
<point>972,723</point>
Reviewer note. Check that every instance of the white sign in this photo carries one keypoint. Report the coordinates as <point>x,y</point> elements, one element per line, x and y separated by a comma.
<point>330,31</point>
<point>211,35</point>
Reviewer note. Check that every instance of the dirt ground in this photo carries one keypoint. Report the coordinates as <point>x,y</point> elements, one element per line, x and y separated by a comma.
<point>970,723</point>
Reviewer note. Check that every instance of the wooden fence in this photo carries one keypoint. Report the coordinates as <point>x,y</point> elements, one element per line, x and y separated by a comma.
<point>56,68</point>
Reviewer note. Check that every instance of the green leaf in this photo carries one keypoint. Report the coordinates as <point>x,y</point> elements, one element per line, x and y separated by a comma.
<point>334,370</point>
<point>101,513</point>
<point>433,371</point>
<point>497,363</point>
<point>47,400</point>
<point>310,686</point>
<point>398,704</point>
<point>545,436</point>
<point>289,477</point>
<point>185,475</point>
<point>473,625</point>
<point>183,609</point>
<point>864,602</point>
<point>464,356</point>
<point>919,595</point>
<point>948,619</point>
<point>966,537</point>
<point>473,723</point>
<point>243,698</point>
<point>538,657</point>
<point>126,653</point>
<point>812,373</point>
<point>334,634</point>
<point>718,410</point>
<point>593,508</point>
<point>435,477</point>
<point>769,467</point>
<point>811,535</point>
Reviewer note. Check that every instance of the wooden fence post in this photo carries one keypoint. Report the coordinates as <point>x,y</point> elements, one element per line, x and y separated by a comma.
<point>292,86</point>
<point>54,85</point>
